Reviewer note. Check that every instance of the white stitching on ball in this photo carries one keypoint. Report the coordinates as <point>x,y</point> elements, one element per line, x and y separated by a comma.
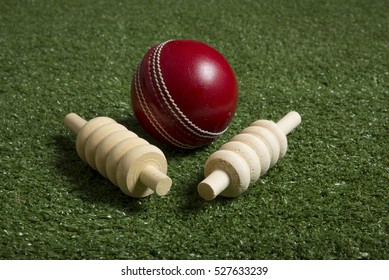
<point>168,99</point>
<point>151,117</point>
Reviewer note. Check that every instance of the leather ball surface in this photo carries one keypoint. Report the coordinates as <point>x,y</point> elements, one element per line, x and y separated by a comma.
<point>184,93</point>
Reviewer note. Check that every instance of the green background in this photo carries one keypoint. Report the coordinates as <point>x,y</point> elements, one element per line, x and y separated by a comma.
<point>326,199</point>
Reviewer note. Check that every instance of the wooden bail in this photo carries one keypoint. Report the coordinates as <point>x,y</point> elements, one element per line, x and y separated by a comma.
<point>240,162</point>
<point>130,162</point>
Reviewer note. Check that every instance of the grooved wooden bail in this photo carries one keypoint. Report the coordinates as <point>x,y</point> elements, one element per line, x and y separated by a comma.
<point>130,162</point>
<point>240,162</point>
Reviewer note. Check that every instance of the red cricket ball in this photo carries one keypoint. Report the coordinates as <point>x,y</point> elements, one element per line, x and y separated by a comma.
<point>184,93</point>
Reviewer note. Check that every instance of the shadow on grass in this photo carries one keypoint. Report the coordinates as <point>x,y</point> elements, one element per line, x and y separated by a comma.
<point>193,204</point>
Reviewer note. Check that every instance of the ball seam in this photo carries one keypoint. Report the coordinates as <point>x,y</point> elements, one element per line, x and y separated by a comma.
<point>169,101</point>
<point>150,116</point>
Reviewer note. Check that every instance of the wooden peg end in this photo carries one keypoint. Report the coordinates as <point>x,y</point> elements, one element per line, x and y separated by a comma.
<point>214,184</point>
<point>156,180</point>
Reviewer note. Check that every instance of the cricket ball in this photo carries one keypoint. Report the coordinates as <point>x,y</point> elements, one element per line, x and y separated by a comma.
<point>184,93</point>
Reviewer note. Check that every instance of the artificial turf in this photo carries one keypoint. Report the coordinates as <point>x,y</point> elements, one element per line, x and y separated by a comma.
<point>326,199</point>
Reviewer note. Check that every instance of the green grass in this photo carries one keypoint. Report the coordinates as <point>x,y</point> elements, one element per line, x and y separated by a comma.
<point>327,199</point>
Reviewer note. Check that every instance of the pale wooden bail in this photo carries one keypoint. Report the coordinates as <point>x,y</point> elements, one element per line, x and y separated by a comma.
<point>240,162</point>
<point>130,162</point>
